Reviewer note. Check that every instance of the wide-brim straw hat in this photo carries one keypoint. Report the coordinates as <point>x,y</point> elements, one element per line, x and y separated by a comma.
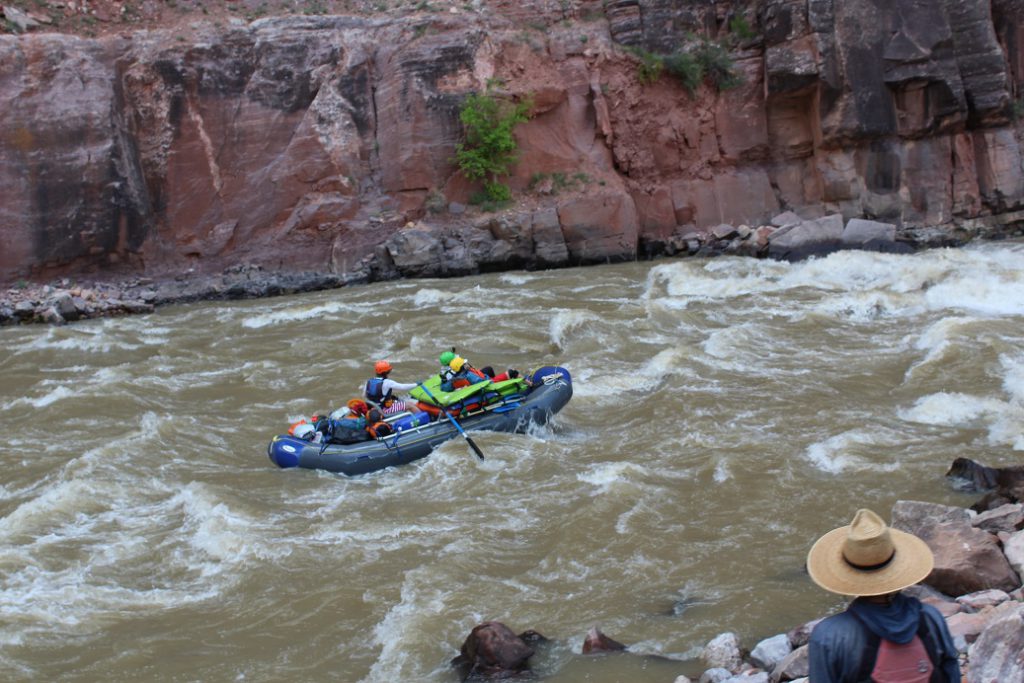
<point>868,558</point>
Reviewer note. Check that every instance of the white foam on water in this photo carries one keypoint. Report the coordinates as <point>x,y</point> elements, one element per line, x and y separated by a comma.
<point>607,388</point>
<point>298,314</point>
<point>722,473</point>
<point>517,279</point>
<point>38,604</point>
<point>382,536</point>
<point>428,297</point>
<point>833,454</point>
<point>57,502</point>
<point>155,334</point>
<point>112,530</point>
<point>58,394</point>
<point>1008,425</point>
<point>217,532</point>
<point>716,280</point>
<point>747,348</point>
<point>723,343</point>
<point>622,521</point>
<point>857,271</point>
<point>985,294</point>
<point>1013,377</point>
<point>93,339</point>
<point>984,279</point>
<point>952,409</point>
<point>564,323</point>
<point>663,363</point>
<point>866,306</point>
<point>1007,428</point>
<point>405,623</point>
<point>937,337</point>
<point>608,476</point>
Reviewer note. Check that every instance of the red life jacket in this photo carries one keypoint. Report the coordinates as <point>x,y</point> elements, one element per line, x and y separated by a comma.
<point>908,663</point>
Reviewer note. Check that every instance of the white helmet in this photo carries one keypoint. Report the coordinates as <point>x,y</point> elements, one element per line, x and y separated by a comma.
<point>304,431</point>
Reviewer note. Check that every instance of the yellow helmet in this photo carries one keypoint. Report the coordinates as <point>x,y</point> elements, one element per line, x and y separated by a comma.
<point>457,363</point>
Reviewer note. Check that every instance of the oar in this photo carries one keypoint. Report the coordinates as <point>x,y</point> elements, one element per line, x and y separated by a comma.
<point>476,449</point>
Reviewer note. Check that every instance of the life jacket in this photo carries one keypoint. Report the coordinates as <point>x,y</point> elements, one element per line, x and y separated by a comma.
<point>463,378</point>
<point>376,426</point>
<point>302,430</point>
<point>379,429</point>
<point>375,392</point>
<point>907,663</point>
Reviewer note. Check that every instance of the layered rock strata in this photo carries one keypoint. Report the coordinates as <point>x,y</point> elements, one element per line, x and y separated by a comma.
<point>325,144</point>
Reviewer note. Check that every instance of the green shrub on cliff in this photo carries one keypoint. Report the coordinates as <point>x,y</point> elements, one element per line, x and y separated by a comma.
<point>650,67</point>
<point>687,69</point>
<point>717,64</point>
<point>740,29</point>
<point>691,66</point>
<point>489,147</point>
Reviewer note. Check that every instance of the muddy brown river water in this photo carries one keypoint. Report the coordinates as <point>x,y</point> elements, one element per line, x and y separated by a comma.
<point>726,413</point>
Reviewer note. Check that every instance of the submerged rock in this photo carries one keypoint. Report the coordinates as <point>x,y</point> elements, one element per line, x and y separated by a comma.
<point>969,475</point>
<point>596,641</point>
<point>492,650</point>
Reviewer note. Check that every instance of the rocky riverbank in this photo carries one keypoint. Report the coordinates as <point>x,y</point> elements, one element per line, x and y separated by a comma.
<point>68,300</point>
<point>976,585</point>
<point>488,243</point>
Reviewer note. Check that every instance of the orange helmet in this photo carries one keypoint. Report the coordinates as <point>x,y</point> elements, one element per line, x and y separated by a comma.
<point>358,406</point>
<point>381,366</point>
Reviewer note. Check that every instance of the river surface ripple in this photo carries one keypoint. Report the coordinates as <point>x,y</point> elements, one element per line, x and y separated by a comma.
<point>726,413</point>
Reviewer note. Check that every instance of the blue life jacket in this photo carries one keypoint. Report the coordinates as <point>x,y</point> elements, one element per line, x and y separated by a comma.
<point>375,391</point>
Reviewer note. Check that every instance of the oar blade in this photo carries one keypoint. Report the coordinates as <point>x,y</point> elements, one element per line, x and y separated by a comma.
<point>476,449</point>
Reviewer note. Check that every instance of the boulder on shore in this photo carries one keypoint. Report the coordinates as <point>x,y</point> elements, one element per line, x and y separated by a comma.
<point>997,653</point>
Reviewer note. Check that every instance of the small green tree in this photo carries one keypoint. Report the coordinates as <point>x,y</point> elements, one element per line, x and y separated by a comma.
<point>489,147</point>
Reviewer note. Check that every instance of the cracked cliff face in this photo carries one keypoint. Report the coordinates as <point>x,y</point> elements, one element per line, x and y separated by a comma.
<point>307,143</point>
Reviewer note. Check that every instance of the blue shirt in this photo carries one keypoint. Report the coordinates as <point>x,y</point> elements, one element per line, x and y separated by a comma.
<point>844,646</point>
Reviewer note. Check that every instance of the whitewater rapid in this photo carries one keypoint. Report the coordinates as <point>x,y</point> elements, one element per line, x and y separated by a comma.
<point>726,412</point>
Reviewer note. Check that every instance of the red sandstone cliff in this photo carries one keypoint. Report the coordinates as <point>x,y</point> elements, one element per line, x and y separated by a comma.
<point>311,142</point>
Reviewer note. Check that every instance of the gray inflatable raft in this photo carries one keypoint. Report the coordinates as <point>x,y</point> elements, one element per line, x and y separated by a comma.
<point>551,389</point>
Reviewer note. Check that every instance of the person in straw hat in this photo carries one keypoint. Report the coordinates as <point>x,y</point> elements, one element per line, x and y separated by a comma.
<point>883,635</point>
